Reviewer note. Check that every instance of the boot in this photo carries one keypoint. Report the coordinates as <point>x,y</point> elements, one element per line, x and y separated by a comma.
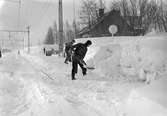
<point>84,70</point>
<point>73,76</point>
<point>65,62</point>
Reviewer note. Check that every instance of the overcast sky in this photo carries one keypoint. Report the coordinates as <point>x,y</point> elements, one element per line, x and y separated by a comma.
<point>39,14</point>
<point>34,10</point>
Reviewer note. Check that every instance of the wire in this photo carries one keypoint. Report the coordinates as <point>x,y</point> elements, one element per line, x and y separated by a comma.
<point>13,1</point>
<point>45,7</point>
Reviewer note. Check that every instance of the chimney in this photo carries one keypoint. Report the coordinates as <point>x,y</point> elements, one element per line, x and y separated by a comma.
<point>101,12</point>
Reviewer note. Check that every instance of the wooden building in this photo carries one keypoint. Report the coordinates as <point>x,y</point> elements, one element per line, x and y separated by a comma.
<point>101,27</point>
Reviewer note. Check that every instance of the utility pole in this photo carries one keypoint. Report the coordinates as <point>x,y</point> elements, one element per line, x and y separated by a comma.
<point>74,20</point>
<point>19,13</point>
<point>9,35</point>
<point>28,30</point>
<point>61,38</point>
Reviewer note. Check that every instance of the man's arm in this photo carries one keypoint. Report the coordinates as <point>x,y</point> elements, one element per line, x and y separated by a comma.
<point>75,46</point>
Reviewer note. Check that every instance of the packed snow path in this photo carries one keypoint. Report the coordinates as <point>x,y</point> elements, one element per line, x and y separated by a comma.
<point>29,88</point>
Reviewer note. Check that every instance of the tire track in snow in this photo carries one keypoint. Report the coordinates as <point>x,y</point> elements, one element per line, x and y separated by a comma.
<point>76,104</point>
<point>78,107</point>
<point>38,68</point>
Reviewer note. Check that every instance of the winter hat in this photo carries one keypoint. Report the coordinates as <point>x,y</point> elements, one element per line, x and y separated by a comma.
<point>73,41</point>
<point>88,42</point>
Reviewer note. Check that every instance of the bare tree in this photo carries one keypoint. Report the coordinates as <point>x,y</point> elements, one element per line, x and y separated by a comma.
<point>163,15</point>
<point>164,18</point>
<point>69,32</point>
<point>89,12</point>
<point>154,16</point>
<point>143,13</point>
<point>49,37</point>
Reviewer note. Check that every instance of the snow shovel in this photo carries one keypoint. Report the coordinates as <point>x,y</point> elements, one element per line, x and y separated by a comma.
<point>89,67</point>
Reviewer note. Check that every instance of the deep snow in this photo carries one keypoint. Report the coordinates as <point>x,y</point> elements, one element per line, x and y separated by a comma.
<point>37,85</point>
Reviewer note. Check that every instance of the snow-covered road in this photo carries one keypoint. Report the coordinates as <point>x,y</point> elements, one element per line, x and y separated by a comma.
<point>37,85</point>
<point>26,90</point>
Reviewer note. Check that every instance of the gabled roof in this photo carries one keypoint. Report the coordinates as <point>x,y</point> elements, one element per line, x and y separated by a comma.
<point>100,19</point>
<point>87,29</point>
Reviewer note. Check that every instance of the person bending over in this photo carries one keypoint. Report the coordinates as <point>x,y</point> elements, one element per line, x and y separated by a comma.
<point>80,51</point>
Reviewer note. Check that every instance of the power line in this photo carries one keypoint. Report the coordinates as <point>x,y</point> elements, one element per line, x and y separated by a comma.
<point>61,39</point>
<point>3,30</point>
<point>12,1</point>
<point>74,19</point>
<point>15,31</point>
<point>45,8</point>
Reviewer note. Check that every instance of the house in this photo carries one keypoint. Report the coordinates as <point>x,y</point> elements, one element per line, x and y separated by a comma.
<point>101,27</point>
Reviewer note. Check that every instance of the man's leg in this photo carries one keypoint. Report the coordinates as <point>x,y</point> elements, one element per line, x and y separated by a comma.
<point>84,70</point>
<point>74,69</point>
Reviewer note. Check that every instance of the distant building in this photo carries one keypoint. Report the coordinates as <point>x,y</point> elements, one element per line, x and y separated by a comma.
<point>101,27</point>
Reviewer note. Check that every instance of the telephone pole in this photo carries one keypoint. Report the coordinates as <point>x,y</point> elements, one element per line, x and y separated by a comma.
<point>19,14</point>
<point>28,30</point>
<point>74,19</point>
<point>61,38</point>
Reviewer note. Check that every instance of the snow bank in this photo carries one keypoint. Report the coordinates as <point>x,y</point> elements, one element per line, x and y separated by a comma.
<point>107,60</point>
<point>135,58</point>
<point>148,101</point>
<point>154,33</point>
<point>127,56</point>
<point>147,54</point>
<point>12,94</point>
<point>27,97</point>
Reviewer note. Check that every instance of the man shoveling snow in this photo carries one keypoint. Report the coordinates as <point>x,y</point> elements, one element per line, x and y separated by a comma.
<point>80,51</point>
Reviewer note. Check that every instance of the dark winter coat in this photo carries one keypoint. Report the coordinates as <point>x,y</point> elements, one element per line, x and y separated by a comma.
<point>80,50</point>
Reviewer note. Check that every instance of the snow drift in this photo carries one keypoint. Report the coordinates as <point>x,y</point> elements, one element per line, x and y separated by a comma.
<point>127,56</point>
<point>148,101</point>
<point>134,59</point>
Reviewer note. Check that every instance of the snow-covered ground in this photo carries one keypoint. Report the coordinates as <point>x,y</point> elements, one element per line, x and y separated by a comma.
<point>37,85</point>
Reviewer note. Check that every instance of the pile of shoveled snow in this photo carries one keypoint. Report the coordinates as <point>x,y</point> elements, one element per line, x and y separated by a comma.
<point>24,97</point>
<point>106,60</point>
<point>148,101</point>
<point>139,56</point>
<point>129,58</point>
<point>157,34</point>
<point>12,94</point>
